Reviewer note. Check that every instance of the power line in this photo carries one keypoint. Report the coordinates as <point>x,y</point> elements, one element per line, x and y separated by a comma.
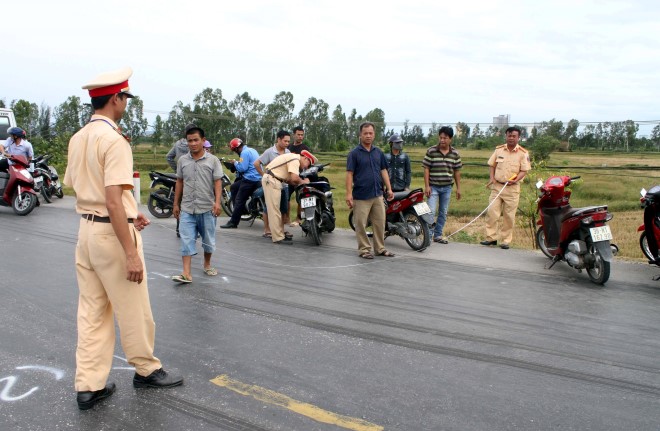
<point>401,123</point>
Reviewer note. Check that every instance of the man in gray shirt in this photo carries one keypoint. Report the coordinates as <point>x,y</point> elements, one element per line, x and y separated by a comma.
<point>197,202</point>
<point>180,148</point>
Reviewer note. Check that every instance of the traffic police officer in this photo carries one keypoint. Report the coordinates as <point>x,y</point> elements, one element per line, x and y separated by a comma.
<point>109,258</point>
<point>509,164</point>
<point>282,170</point>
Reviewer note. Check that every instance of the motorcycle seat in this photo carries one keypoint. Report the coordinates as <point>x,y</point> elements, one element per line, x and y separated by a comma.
<point>168,175</point>
<point>323,186</point>
<point>575,212</point>
<point>404,194</point>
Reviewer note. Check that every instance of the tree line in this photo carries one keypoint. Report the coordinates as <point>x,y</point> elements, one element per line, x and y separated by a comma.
<point>50,129</point>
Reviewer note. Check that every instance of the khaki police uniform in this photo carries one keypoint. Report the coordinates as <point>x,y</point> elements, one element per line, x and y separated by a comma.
<point>276,176</point>
<point>100,156</point>
<point>507,165</point>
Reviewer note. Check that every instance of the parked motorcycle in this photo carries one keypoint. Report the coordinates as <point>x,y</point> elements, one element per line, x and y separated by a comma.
<point>161,198</point>
<point>46,179</point>
<point>409,217</point>
<point>579,236</point>
<point>17,187</point>
<point>650,229</point>
<point>254,206</point>
<point>315,200</point>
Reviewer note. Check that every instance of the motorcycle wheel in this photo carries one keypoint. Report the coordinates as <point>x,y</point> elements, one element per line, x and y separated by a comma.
<point>24,203</point>
<point>540,242</point>
<point>225,202</point>
<point>423,239</point>
<point>154,206</point>
<point>370,231</point>
<point>59,192</point>
<point>330,224</point>
<point>315,230</point>
<point>600,272</point>
<point>46,191</point>
<point>253,210</point>
<point>644,245</point>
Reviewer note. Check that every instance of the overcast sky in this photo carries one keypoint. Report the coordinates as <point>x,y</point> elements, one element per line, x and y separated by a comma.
<point>424,61</point>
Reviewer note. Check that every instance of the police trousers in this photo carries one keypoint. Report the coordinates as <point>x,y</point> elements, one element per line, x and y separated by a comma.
<point>106,294</point>
<point>505,205</point>
<point>273,197</point>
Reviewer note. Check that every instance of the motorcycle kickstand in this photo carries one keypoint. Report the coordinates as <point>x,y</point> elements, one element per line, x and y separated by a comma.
<point>555,259</point>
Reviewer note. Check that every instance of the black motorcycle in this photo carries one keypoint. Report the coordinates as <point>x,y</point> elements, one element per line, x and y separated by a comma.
<point>161,198</point>
<point>315,200</point>
<point>46,179</point>
<point>255,205</point>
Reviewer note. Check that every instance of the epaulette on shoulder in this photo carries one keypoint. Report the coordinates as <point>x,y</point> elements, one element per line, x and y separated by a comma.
<point>501,146</point>
<point>522,149</point>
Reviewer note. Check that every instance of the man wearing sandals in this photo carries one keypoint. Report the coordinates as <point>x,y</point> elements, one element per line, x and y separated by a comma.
<point>442,170</point>
<point>197,202</point>
<point>366,172</point>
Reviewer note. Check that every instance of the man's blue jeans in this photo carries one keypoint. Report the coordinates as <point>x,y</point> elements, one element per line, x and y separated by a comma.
<point>440,196</point>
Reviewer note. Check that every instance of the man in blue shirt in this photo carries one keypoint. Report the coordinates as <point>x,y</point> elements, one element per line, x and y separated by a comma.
<point>366,172</point>
<point>246,184</point>
<point>15,145</point>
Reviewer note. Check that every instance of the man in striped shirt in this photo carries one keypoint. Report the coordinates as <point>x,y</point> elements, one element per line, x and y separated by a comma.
<point>442,165</point>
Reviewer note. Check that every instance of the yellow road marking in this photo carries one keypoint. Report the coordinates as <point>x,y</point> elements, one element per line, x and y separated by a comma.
<point>305,409</point>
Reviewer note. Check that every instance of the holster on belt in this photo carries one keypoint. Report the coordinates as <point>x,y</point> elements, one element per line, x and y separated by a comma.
<point>269,172</point>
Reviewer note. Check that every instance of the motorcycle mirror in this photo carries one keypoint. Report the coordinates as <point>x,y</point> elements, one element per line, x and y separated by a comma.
<point>539,184</point>
<point>642,192</point>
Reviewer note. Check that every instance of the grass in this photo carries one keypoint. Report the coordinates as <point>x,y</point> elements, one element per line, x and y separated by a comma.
<point>606,178</point>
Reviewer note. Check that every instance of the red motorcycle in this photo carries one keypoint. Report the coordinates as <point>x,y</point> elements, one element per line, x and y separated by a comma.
<point>409,217</point>
<point>17,187</point>
<point>579,236</point>
<point>651,228</point>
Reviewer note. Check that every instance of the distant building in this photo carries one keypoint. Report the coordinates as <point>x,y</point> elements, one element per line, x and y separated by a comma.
<point>501,121</point>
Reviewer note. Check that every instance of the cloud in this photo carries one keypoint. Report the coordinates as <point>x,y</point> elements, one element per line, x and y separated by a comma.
<point>423,61</point>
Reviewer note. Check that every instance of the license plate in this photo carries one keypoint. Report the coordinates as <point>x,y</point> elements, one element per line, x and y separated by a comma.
<point>601,233</point>
<point>308,202</point>
<point>422,208</point>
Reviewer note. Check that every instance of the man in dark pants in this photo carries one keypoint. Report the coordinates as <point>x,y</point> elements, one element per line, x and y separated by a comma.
<point>243,187</point>
<point>297,147</point>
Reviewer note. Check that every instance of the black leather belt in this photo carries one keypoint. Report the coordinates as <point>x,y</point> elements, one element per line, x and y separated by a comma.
<point>99,219</point>
<point>269,172</point>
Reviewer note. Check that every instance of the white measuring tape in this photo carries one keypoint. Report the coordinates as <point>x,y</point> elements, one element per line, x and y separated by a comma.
<point>482,212</point>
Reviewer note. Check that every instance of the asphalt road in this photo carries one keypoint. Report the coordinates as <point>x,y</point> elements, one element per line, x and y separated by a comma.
<point>459,337</point>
